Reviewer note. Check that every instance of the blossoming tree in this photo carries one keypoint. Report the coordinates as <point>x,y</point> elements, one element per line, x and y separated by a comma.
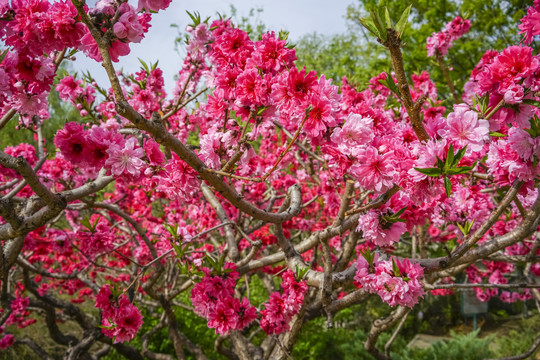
<point>253,169</point>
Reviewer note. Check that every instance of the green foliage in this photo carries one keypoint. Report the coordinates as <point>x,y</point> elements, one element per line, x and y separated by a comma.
<point>459,347</point>
<point>340,343</point>
<point>342,55</point>
<point>519,340</point>
<point>358,56</point>
<point>448,167</point>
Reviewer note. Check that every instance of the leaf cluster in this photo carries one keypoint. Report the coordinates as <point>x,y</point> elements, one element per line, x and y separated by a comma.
<point>448,167</point>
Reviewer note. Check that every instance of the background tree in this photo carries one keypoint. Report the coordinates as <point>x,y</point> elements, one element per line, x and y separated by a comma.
<point>354,55</point>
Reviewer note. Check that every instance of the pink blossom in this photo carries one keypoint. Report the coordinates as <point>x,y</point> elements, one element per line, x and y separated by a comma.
<point>128,320</point>
<point>377,230</point>
<point>514,94</point>
<point>68,88</point>
<point>513,65</point>
<point>530,25</point>
<point>179,180</point>
<point>402,288</point>
<point>153,153</point>
<point>247,313</point>
<point>458,27</point>
<point>153,5</point>
<point>223,318</point>
<point>463,128</point>
<point>121,319</point>
<point>320,115</point>
<point>103,301</point>
<point>365,275</point>
<point>271,54</point>
<point>128,25</point>
<point>72,141</point>
<point>357,131</point>
<point>29,104</point>
<point>6,341</point>
<point>251,88</point>
<point>90,48</point>
<point>293,87</point>
<point>523,144</point>
<point>98,142</point>
<point>438,43</point>
<point>126,160</point>
<point>280,308</point>
<point>373,171</point>
<point>505,164</point>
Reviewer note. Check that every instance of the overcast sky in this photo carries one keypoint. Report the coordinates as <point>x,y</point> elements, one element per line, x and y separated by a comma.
<point>299,17</point>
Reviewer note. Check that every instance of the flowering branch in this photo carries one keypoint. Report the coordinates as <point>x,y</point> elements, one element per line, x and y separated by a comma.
<point>494,216</point>
<point>446,74</point>
<point>482,285</point>
<point>393,43</point>
<point>232,247</point>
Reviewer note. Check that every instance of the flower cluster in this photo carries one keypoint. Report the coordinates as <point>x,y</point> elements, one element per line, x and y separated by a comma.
<point>510,74</point>
<point>19,314</point>
<point>381,227</point>
<point>78,94</point>
<point>530,24</point>
<point>7,340</point>
<point>396,282</point>
<point>439,43</point>
<point>121,319</point>
<point>128,28</point>
<point>96,148</point>
<point>280,308</point>
<point>213,299</point>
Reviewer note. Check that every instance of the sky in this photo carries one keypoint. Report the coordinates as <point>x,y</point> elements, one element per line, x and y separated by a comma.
<point>299,17</point>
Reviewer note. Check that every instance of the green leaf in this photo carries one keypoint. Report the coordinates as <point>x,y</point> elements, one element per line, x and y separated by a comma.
<point>402,23</point>
<point>368,24</point>
<point>378,24</point>
<point>447,186</point>
<point>221,261</point>
<point>145,65</point>
<point>300,273</point>
<point>532,102</point>
<point>366,254</point>
<point>395,269</point>
<point>462,229</point>
<point>211,260</point>
<point>195,17</point>
<point>459,155</point>
<point>496,134</point>
<point>389,83</point>
<point>400,212</point>
<point>70,54</point>
<point>534,131</point>
<point>172,229</point>
<point>459,170</point>
<point>387,18</point>
<point>429,171</point>
<point>440,163</point>
<point>449,157</point>
<point>261,110</point>
<point>86,223</point>
<point>466,228</point>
